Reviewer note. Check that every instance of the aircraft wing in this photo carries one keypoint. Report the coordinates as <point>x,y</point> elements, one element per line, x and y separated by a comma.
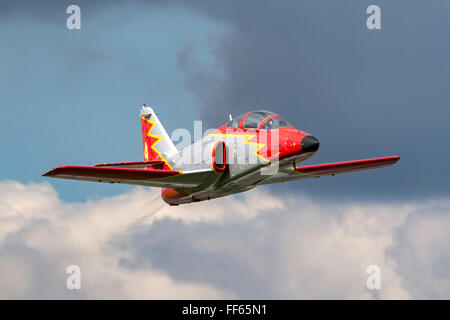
<point>144,177</point>
<point>318,170</point>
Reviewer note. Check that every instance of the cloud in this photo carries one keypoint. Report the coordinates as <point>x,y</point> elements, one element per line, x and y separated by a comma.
<point>362,93</point>
<point>255,246</point>
<point>422,252</point>
<point>267,247</point>
<point>41,236</point>
<point>47,10</point>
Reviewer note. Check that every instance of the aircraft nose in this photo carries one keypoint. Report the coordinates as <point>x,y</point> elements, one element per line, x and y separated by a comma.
<point>310,144</point>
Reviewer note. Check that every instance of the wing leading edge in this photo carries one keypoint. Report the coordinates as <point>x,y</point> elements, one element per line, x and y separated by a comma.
<point>324,169</point>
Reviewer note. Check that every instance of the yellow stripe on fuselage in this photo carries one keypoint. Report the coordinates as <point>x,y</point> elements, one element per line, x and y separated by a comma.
<point>249,137</point>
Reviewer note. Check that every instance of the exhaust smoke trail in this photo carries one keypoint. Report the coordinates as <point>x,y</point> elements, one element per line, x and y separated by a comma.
<point>149,210</point>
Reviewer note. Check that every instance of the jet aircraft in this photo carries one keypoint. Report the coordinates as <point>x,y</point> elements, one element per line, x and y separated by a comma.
<point>256,148</point>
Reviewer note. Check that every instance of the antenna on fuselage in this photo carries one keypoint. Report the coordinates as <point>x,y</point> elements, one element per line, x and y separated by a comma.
<point>231,118</point>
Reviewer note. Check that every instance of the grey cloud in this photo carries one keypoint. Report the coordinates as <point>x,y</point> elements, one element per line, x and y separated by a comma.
<point>55,10</point>
<point>47,10</point>
<point>304,250</point>
<point>363,93</point>
<point>176,248</point>
<point>422,254</point>
<point>259,246</point>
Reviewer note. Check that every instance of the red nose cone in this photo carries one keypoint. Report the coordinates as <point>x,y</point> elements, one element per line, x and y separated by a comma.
<point>298,143</point>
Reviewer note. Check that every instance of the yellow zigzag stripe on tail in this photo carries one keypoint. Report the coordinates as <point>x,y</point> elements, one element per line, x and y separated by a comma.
<point>158,139</point>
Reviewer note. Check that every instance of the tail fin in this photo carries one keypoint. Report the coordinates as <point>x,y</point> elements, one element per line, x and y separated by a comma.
<point>156,141</point>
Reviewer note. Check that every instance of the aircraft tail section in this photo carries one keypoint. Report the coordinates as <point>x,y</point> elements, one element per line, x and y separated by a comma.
<point>156,142</point>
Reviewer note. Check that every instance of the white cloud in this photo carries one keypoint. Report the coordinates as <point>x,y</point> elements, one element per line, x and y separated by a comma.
<point>257,246</point>
<point>41,234</point>
<point>421,248</point>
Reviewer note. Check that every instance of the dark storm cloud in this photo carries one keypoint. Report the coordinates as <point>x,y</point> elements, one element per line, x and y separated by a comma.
<point>362,93</point>
<point>50,10</point>
<point>43,9</point>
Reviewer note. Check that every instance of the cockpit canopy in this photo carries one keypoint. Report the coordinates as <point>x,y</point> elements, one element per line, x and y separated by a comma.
<point>259,119</point>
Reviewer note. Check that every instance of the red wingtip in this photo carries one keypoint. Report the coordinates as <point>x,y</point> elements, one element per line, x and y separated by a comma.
<point>48,174</point>
<point>53,172</point>
<point>395,158</point>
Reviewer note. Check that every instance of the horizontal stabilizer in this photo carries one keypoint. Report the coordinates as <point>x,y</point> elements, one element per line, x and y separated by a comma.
<point>134,164</point>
